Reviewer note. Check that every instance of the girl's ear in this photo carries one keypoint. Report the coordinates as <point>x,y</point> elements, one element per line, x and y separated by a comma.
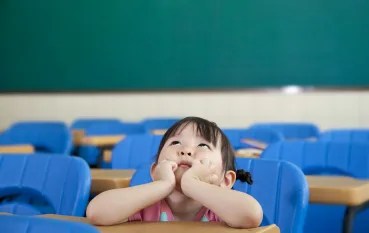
<point>229,179</point>
<point>153,166</point>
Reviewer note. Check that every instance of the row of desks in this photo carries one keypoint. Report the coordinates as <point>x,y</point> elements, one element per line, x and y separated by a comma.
<point>323,189</point>
<point>340,190</point>
<point>160,227</point>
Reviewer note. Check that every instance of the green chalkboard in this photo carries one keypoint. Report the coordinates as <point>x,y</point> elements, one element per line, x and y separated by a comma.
<point>118,45</point>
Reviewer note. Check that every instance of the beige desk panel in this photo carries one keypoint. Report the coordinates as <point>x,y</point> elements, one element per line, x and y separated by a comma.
<point>165,227</point>
<point>106,179</point>
<point>107,140</point>
<point>248,153</point>
<point>254,143</point>
<point>17,149</point>
<point>338,190</point>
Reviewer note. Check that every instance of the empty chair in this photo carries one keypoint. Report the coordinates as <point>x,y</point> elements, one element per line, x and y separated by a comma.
<point>280,187</point>
<point>92,154</point>
<point>158,125</point>
<point>43,184</point>
<point>53,137</point>
<point>265,136</point>
<point>326,158</point>
<point>135,150</point>
<point>28,224</point>
<point>83,123</point>
<point>345,135</point>
<point>292,130</point>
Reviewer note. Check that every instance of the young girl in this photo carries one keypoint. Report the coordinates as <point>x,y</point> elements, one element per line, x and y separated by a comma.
<point>192,180</point>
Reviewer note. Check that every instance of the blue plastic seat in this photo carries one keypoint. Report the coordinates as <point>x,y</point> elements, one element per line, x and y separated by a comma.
<point>91,153</point>
<point>346,135</point>
<point>266,136</point>
<point>292,130</point>
<point>135,150</point>
<point>161,123</point>
<point>28,224</point>
<point>281,189</point>
<point>44,184</point>
<point>326,158</point>
<point>51,137</point>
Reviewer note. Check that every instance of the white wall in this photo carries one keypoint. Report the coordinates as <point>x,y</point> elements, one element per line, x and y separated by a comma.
<point>229,109</point>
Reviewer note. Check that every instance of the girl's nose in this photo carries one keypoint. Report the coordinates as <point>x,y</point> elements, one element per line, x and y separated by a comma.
<point>185,151</point>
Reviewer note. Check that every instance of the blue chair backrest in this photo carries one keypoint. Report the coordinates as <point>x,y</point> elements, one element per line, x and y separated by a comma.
<point>281,189</point>
<point>345,135</point>
<point>44,184</point>
<point>266,136</point>
<point>326,158</point>
<point>158,123</point>
<point>83,123</point>
<point>135,150</point>
<point>28,224</point>
<point>351,159</point>
<point>52,137</point>
<point>113,128</point>
<point>292,130</point>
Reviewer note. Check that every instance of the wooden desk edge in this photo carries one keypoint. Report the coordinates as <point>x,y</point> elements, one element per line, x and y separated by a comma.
<point>17,148</point>
<point>105,140</point>
<point>120,227</point>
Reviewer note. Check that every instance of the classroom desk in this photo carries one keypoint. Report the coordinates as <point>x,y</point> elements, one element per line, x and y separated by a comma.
<point>158,131</point>
<point>160,227</point>
<point>17,149</point>
<point>254,143</point>
<point>106,179</point>
<point>105,142</point>
<point>248,153</point>
<point>341,190</point>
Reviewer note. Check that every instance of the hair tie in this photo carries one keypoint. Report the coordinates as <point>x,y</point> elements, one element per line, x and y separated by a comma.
<point>244,176</point>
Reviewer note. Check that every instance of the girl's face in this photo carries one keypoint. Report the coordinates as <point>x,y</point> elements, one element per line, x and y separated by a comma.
<point>186,146</point>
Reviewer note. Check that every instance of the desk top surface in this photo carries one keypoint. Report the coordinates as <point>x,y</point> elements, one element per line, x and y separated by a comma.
<point>160,227</point>
<point>17,148</point>
<point>106,140</point>
<point>338,190</point>
<point>106,179</point>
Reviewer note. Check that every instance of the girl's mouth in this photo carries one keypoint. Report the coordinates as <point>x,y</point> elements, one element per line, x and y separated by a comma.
<point>185,164</point>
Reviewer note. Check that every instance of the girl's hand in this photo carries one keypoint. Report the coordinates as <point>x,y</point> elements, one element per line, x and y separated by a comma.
<point>164,171</point>
<point>202,170</point>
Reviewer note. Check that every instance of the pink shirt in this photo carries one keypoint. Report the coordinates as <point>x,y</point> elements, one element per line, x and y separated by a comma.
<point>160,212</point>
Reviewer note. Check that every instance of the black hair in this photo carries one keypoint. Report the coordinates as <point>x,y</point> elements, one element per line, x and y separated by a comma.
<point>210,132</point>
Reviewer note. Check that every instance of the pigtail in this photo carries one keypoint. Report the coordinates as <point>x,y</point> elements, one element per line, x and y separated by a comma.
<point>244,176</point>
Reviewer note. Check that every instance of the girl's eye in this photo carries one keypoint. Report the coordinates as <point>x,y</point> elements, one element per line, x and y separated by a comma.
<point>204,145</point>
<point>174,143</point>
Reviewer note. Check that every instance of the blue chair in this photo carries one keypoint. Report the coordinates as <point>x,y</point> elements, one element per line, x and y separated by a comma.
<point>83,123</point>
<point>50,137</point>
<point>161,123</point>
<point>292,130</point>
<point>345,135</point>
<point>326,158</point>
<point>43,184</point>
<point>27,224</point>
<point>266,136</point>
<point>92,154</point>
<point>281,189</point>
<point>135,150</point>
